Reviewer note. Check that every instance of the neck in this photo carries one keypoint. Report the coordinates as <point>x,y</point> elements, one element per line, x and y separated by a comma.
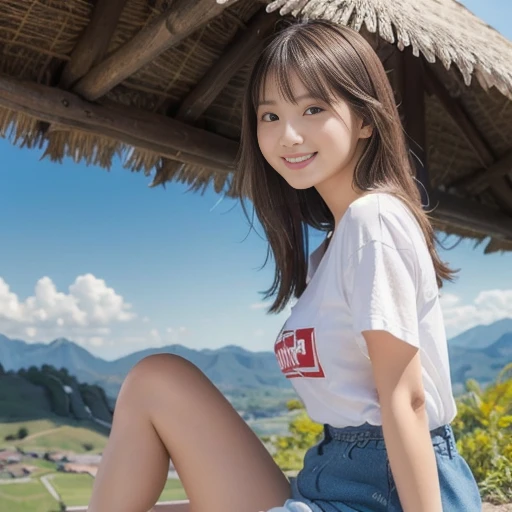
<point>338,191</point>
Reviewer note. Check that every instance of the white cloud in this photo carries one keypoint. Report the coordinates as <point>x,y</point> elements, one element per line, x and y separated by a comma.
<point>96,341</point>
<point>488,306</point>
<point>86,312</point>
<point>31,332</point>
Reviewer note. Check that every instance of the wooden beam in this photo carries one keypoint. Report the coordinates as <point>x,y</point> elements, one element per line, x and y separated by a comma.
<point>479,180</point>
<point>498,184</point>
<point>247,43</point>
<point>472,215</point>
<point>157,133</point>
<point>163,32</point>
<point>93,43</point>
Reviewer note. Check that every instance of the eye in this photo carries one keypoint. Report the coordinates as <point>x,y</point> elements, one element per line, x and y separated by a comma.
<point>315,108</point>
<point>267,114</point>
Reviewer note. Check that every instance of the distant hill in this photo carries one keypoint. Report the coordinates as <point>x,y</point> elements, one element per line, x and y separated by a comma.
<point>482,364</point>
<point>40,392</point>
<point>482,336</point>
<point>479,353</point>
<point>230,368</point>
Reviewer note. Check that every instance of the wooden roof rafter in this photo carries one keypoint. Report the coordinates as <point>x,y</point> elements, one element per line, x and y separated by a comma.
<point>93,43</point>
<point>495,181</point>
<point>165,59</point>
<point>242,49</point>
<point>166,30</point>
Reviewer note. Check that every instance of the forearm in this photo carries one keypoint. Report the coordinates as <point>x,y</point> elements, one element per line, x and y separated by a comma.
<point>411,457</point>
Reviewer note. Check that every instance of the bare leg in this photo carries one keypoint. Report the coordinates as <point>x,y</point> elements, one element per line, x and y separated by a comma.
<point>167,406</point>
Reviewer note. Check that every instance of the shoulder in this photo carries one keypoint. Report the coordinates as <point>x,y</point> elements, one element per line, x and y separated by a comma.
<point>377,217</point>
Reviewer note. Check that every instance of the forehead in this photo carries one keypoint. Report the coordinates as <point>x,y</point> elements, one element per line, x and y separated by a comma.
<point>272,90</point>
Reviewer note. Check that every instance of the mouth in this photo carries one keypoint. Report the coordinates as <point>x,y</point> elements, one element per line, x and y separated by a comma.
<point>299,162</point>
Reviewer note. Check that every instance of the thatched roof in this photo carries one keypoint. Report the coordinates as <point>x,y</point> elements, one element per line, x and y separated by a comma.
<point>159,83</point>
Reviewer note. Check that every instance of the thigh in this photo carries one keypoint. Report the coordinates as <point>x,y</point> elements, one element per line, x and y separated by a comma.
<point>222,464</point>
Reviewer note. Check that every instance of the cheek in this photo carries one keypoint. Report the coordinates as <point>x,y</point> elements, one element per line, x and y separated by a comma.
<point>336,138</point>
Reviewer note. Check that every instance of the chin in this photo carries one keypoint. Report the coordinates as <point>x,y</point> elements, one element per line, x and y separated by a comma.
<point>301,184</point>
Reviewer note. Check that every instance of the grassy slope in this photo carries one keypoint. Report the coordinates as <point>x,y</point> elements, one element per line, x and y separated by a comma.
<point>55,433</point>
<point>74,489</point>
<point>27,497</point>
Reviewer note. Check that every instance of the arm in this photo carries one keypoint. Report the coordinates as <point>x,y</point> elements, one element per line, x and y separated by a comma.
<point>397,374</point>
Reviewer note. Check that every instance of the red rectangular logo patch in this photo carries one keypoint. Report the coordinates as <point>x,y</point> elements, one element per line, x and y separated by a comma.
<point>296,353</point>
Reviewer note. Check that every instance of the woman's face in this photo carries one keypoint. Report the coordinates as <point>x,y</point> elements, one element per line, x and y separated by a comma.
<point>328,135</point>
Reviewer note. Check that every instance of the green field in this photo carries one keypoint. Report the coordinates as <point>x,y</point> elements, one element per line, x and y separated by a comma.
<point>173,490</point>
<point>45,467</point>
<point>26,497</point>
<point>33,426</point>
<point>74,489</point>
<point>56,434</point>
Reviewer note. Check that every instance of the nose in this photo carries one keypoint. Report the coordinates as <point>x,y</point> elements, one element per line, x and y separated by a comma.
<point>290,136</point>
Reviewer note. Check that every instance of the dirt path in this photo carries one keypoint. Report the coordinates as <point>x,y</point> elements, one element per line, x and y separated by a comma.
<point>42,433</point>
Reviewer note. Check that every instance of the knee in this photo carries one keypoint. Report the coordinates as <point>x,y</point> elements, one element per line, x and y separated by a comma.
<point>157,372</point>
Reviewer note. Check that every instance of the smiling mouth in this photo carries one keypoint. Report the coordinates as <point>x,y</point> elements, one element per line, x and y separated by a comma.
<point>300,159</point>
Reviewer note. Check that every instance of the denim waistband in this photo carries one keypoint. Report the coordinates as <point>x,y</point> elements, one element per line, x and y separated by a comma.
<point>374,432</point>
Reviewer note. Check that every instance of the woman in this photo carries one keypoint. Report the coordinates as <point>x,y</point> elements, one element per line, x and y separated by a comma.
<point>365,346</point>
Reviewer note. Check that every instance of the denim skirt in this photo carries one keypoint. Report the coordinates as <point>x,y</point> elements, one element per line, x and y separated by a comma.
<point>349,471</point>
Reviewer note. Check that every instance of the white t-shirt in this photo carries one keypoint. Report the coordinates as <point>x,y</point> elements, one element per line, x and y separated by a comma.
<point>376,274</point>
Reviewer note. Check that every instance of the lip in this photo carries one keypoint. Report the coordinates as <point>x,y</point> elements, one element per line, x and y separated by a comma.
<point>298,165</point>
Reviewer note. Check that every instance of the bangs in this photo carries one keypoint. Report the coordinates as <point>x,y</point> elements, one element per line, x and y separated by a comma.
<point>279,61</point>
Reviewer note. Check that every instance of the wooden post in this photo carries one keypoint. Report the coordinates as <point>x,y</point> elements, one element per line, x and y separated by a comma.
<point>410,94</point>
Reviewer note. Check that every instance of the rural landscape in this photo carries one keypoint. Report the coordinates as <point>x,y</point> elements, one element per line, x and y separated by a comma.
<point>136,218</point>
<point>57,401</point>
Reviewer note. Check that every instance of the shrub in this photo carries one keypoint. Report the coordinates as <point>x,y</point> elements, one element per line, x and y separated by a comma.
<point>22,433</point>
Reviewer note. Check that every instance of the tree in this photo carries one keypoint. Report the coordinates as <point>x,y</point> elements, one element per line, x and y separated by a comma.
<point>22,433</point>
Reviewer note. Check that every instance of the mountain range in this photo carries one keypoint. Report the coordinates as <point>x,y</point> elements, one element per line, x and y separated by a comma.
<point>479,353</point>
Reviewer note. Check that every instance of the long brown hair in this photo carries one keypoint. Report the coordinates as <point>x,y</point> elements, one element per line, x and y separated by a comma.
<point>333,62</point>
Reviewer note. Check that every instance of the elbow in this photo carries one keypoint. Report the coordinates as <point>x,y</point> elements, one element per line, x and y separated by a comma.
<point>418,402</point>
<point>405,401</point>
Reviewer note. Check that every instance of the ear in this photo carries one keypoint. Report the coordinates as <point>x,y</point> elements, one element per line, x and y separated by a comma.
<point>365,131</point>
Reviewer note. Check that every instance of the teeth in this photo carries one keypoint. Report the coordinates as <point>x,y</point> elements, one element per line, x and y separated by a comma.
<point>300,159</point>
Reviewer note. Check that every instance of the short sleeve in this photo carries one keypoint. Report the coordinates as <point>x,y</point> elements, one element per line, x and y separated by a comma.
<point>380,287</point>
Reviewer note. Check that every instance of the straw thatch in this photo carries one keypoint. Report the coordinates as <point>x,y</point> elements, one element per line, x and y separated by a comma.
<point>158,83</point>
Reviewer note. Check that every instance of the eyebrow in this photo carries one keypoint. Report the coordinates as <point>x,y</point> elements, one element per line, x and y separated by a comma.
<point>297,99</point>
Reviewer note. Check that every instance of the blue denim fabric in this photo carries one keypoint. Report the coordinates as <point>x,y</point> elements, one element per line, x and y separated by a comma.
<point>349,471</point>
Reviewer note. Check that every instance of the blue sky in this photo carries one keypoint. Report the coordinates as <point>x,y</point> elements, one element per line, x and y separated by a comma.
<point>100,258</point>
